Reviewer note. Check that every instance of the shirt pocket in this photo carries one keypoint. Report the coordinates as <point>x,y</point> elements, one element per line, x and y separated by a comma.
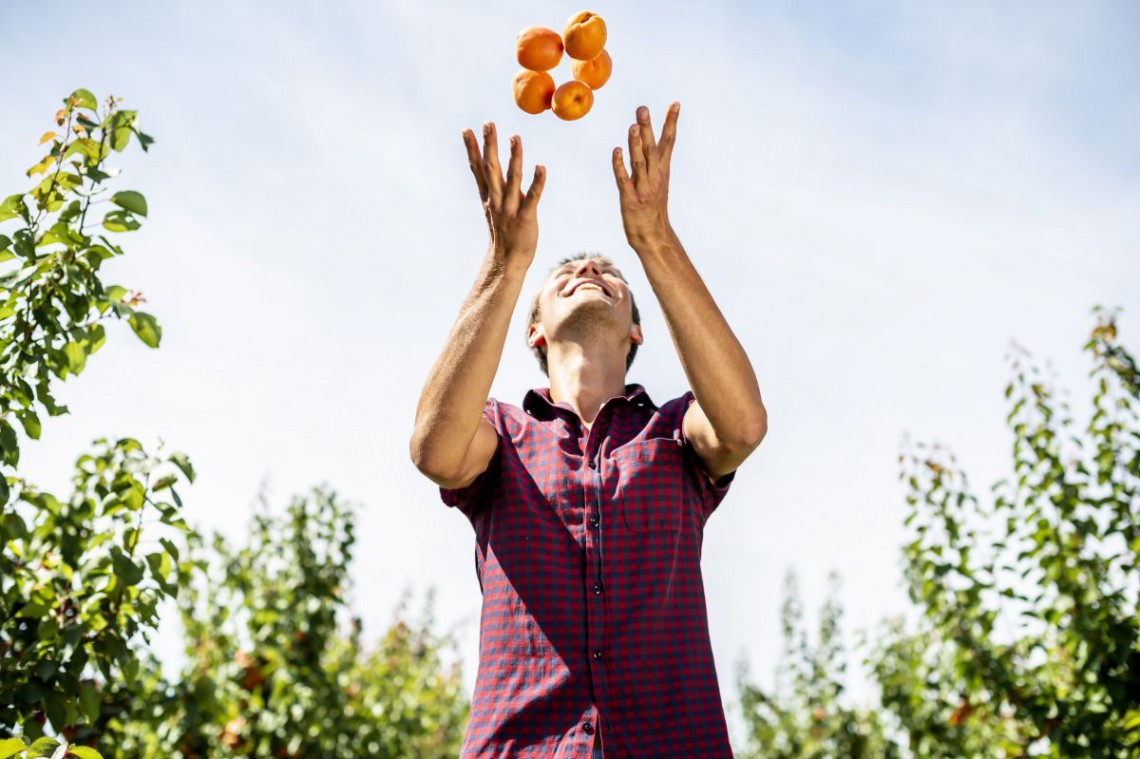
<point>650,490</point>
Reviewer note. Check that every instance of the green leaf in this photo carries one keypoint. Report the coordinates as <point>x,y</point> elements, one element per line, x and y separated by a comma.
<point>83,99</point>
<point>147,328</point>
<point>120,138</point>
<point>71,211</point>
<point>10,747</point>
<point>89,701</point>
<point>170,547</point>
<point>130,200</point>
<point>160,566</point>
<point>83,751</point>
<point>128,572</point>
<point>55,709</point>
<point>12,206</point>
<point>9,444</point>
<point>31,423</point>
<point>43,747</point>
<point>182,461</point>
<point>32,610</point>
<point>76,357</point>
<point>120,221</point>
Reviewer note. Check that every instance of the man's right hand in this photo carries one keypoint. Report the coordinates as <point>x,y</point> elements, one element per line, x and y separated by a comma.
<point>512,217</point>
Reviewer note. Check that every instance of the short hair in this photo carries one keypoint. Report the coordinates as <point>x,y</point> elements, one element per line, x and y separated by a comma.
<point>538,350</point>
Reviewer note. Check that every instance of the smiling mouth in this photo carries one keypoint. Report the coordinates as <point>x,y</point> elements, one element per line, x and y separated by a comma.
<point>590,285</point>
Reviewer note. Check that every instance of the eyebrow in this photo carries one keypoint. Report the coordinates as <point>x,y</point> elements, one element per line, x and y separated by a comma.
<point>572,264</point>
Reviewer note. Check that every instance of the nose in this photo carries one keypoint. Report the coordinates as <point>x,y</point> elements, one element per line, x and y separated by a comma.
<point>588,266</point>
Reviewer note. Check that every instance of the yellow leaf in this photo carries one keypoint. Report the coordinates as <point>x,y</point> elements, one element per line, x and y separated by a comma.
<point>41,167</point>
<point>47,136</point>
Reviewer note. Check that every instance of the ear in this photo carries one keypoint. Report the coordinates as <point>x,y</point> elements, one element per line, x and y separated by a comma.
<point>635,334</point>
<point>535,335</point>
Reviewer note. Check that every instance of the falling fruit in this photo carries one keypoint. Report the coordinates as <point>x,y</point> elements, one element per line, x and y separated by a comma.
<point>572,100</point>
<point>594,72</point>
<point>584,35</point>
<point>538,48</point>
<point>533,90</point>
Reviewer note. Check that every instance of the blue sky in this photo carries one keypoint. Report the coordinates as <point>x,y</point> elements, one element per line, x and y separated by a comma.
<point>879,195</point>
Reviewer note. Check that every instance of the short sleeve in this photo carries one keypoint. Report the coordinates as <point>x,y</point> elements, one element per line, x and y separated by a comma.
<point>473,498</point>
<point>711,492</point>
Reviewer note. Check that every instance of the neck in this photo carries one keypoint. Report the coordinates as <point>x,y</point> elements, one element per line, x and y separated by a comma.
<point>583,379</point>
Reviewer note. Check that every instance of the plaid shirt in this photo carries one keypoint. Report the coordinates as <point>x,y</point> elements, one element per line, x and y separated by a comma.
<point>588,550</point>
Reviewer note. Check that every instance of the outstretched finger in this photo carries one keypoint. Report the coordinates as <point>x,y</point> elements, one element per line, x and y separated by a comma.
<point>636,156</point>
<point>669,133</point>
<point>620,174</point>
<point>475,161</point>
<point>530,202</point>
<point>491,168</point>
<point>514,176</point>
<point>648,141</point>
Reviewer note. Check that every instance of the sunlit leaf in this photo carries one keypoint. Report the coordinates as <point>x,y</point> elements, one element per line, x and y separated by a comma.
<point>84,99</point>
<point>130,200</point>
<point>147,328</point>
<point>12,206</point>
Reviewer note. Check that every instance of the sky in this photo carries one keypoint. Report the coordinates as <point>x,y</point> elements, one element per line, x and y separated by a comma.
<point>881,197</point>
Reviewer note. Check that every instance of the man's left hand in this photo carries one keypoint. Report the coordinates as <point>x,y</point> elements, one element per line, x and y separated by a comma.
<point>644,196</point>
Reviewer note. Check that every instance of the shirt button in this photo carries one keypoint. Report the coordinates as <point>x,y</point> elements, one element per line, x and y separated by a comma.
<point>597,589</point>
<point>598,654</point>
<point>593,521</point>
<point>592,464</point>
<point>587,728</point>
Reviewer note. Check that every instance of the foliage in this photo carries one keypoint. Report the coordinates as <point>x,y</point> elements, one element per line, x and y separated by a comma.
<point>269,671</point>
<point>1031,602</point>
<point>80,577</point>
<point>806,714</point>
<point>53,304</point>
<point>1028,642</point>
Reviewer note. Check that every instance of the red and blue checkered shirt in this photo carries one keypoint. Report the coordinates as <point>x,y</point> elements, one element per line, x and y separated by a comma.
<point>588,553</point>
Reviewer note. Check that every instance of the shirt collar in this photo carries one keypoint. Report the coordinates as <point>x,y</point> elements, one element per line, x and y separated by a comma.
<point>538,399</point>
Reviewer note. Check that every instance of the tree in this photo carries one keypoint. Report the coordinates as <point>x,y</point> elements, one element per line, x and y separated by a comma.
<point>806,715</point>
<point>1031,602</point>
<point>1028,639</point>
<point>271,670</point>
<point>80,576</point>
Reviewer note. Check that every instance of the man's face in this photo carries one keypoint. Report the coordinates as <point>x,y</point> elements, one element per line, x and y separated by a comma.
<point>584,297</point>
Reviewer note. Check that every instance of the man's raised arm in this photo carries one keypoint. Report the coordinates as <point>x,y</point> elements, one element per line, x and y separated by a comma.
<point>452,443</point>
<point>728,420</point>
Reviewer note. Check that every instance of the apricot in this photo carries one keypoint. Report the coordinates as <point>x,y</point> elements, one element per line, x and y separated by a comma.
<point>572,100</point>
<point>594,72</point>
<point>538,48</point>
<point>533,90</point>
<point>584,35</point>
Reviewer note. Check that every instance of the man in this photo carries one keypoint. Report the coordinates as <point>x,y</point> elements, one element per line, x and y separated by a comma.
<point>589,501</point>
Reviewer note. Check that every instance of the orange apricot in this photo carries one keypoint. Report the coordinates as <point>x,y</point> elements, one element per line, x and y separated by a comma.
<point>538,49</point>
<point>584,35</point>
<point>594,72</point>
<point>572,100</point>
<point>533,90</point>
